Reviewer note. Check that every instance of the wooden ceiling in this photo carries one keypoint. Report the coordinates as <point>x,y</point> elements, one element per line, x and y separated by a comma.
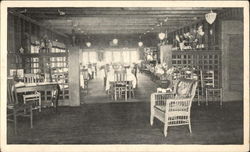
<point>116,20</point>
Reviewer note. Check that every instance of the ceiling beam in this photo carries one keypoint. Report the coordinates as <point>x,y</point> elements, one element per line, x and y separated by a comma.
<point>36,23</point>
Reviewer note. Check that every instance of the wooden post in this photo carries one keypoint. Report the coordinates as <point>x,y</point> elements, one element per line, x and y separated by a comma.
<point>74,76</point>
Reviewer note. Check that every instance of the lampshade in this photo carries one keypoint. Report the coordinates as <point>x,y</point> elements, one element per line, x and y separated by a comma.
<point>115,41</point>
<point>161,35</point>
<point>210,17</point>
<point>88,44</point>
<point>140,44</point>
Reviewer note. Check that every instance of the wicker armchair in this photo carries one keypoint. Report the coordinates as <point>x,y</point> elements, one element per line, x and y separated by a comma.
<point>173,108</point>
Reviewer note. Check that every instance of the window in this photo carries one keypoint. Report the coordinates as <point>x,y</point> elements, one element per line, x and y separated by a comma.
<point>126,56</point>
<point>116,57</point>
<point>108,56</point>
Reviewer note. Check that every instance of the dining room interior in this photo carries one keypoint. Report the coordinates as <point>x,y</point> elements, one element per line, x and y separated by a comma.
<point>125,75</point>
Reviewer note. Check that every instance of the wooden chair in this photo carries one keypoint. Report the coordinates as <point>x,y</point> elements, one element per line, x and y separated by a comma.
<point>120,85</point>
<point>16,108</point>
<point>173,109</point>
<point>34,96</point>
<point>85,78</point>
<point>30,78</point>
<point>130,90</point>
<point>209,88</point>
<point>199,89</point>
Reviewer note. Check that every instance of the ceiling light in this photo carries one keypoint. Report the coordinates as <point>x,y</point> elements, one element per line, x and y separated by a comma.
<point>61,12</point>
<point>140,44</point>
<point>75,24</point>
<point>115,41</point>
<point>165,20</point>
<point>162,35</point>
<point>210,17</point>
<point>88,44</point>
<point>79,28</point>
<point>82,31</point>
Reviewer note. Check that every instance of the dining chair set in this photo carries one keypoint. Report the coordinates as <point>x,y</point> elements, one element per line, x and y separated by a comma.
<point>25,103</point>
<point>121,88</point>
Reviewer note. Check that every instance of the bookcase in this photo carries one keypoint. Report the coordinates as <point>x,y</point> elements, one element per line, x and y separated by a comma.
<point>54,62</point>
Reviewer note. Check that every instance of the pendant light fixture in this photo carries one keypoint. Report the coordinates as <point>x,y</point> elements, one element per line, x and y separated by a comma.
<point>88,44</point>
<point>140,43</point>
<point>115,41</point>
<point>161,35</point>
<point>210,17</point>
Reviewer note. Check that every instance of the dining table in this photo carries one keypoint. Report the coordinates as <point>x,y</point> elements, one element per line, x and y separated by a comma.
<point>45,88</point>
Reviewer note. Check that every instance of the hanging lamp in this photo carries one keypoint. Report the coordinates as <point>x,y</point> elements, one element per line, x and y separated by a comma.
<point>161,35</point>
<point>88,44</point>
<point>210,17</point>
<point>140,43</point>
<point>115,41</point>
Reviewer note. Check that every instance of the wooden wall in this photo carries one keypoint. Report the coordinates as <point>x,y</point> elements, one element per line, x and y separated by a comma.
<point>232,59</point>
<point>19,32</point>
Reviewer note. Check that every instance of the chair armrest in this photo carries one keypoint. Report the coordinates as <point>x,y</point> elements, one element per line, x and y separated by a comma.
<point>178,104</point>
<point>160,98</point>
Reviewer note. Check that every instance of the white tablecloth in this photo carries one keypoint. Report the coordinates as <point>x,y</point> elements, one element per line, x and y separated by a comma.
<point>110,78</point>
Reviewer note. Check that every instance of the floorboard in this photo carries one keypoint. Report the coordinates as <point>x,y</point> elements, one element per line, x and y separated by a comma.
<point>108,122</point>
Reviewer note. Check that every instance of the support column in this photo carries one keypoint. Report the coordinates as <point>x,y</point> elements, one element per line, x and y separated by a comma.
<point>74,76</point>
<point>166,55</point>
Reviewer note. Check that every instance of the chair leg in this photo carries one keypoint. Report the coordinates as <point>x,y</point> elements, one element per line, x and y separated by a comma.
<point>40,104</point>
<point>31,117</point>
<point>126,95</point>
<point>165,129</point>
<point>198,94</point>
<point>151,120</point>
<point>206,98</point>
<point>115,94</point>
<point>15,121</point>
<point>189,126</point>
<point>221,98</point>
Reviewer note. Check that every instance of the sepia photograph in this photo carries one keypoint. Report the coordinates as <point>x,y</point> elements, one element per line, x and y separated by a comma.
<point>124,75</point>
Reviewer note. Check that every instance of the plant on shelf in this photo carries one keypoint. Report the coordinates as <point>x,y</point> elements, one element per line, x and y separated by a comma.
<point>190,40</point>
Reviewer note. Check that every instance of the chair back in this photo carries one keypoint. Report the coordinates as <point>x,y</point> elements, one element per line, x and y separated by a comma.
<point>207,79</point>
<point>185,88</point>
<point>120,76</point>
<point>11,92</point>
<point>30,78</point>
<point>180,107</point>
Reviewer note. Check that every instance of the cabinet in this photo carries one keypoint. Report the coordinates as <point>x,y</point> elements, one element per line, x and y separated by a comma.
<point>202,60</point>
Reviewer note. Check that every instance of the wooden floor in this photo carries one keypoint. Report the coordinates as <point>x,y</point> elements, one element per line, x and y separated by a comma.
<point>128,123</point>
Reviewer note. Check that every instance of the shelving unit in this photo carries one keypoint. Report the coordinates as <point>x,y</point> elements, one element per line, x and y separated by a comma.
<point>55,63</point>
<point>201,60</point>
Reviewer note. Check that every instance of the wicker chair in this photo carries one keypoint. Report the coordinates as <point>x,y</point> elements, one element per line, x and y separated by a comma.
<point>173,108</point>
